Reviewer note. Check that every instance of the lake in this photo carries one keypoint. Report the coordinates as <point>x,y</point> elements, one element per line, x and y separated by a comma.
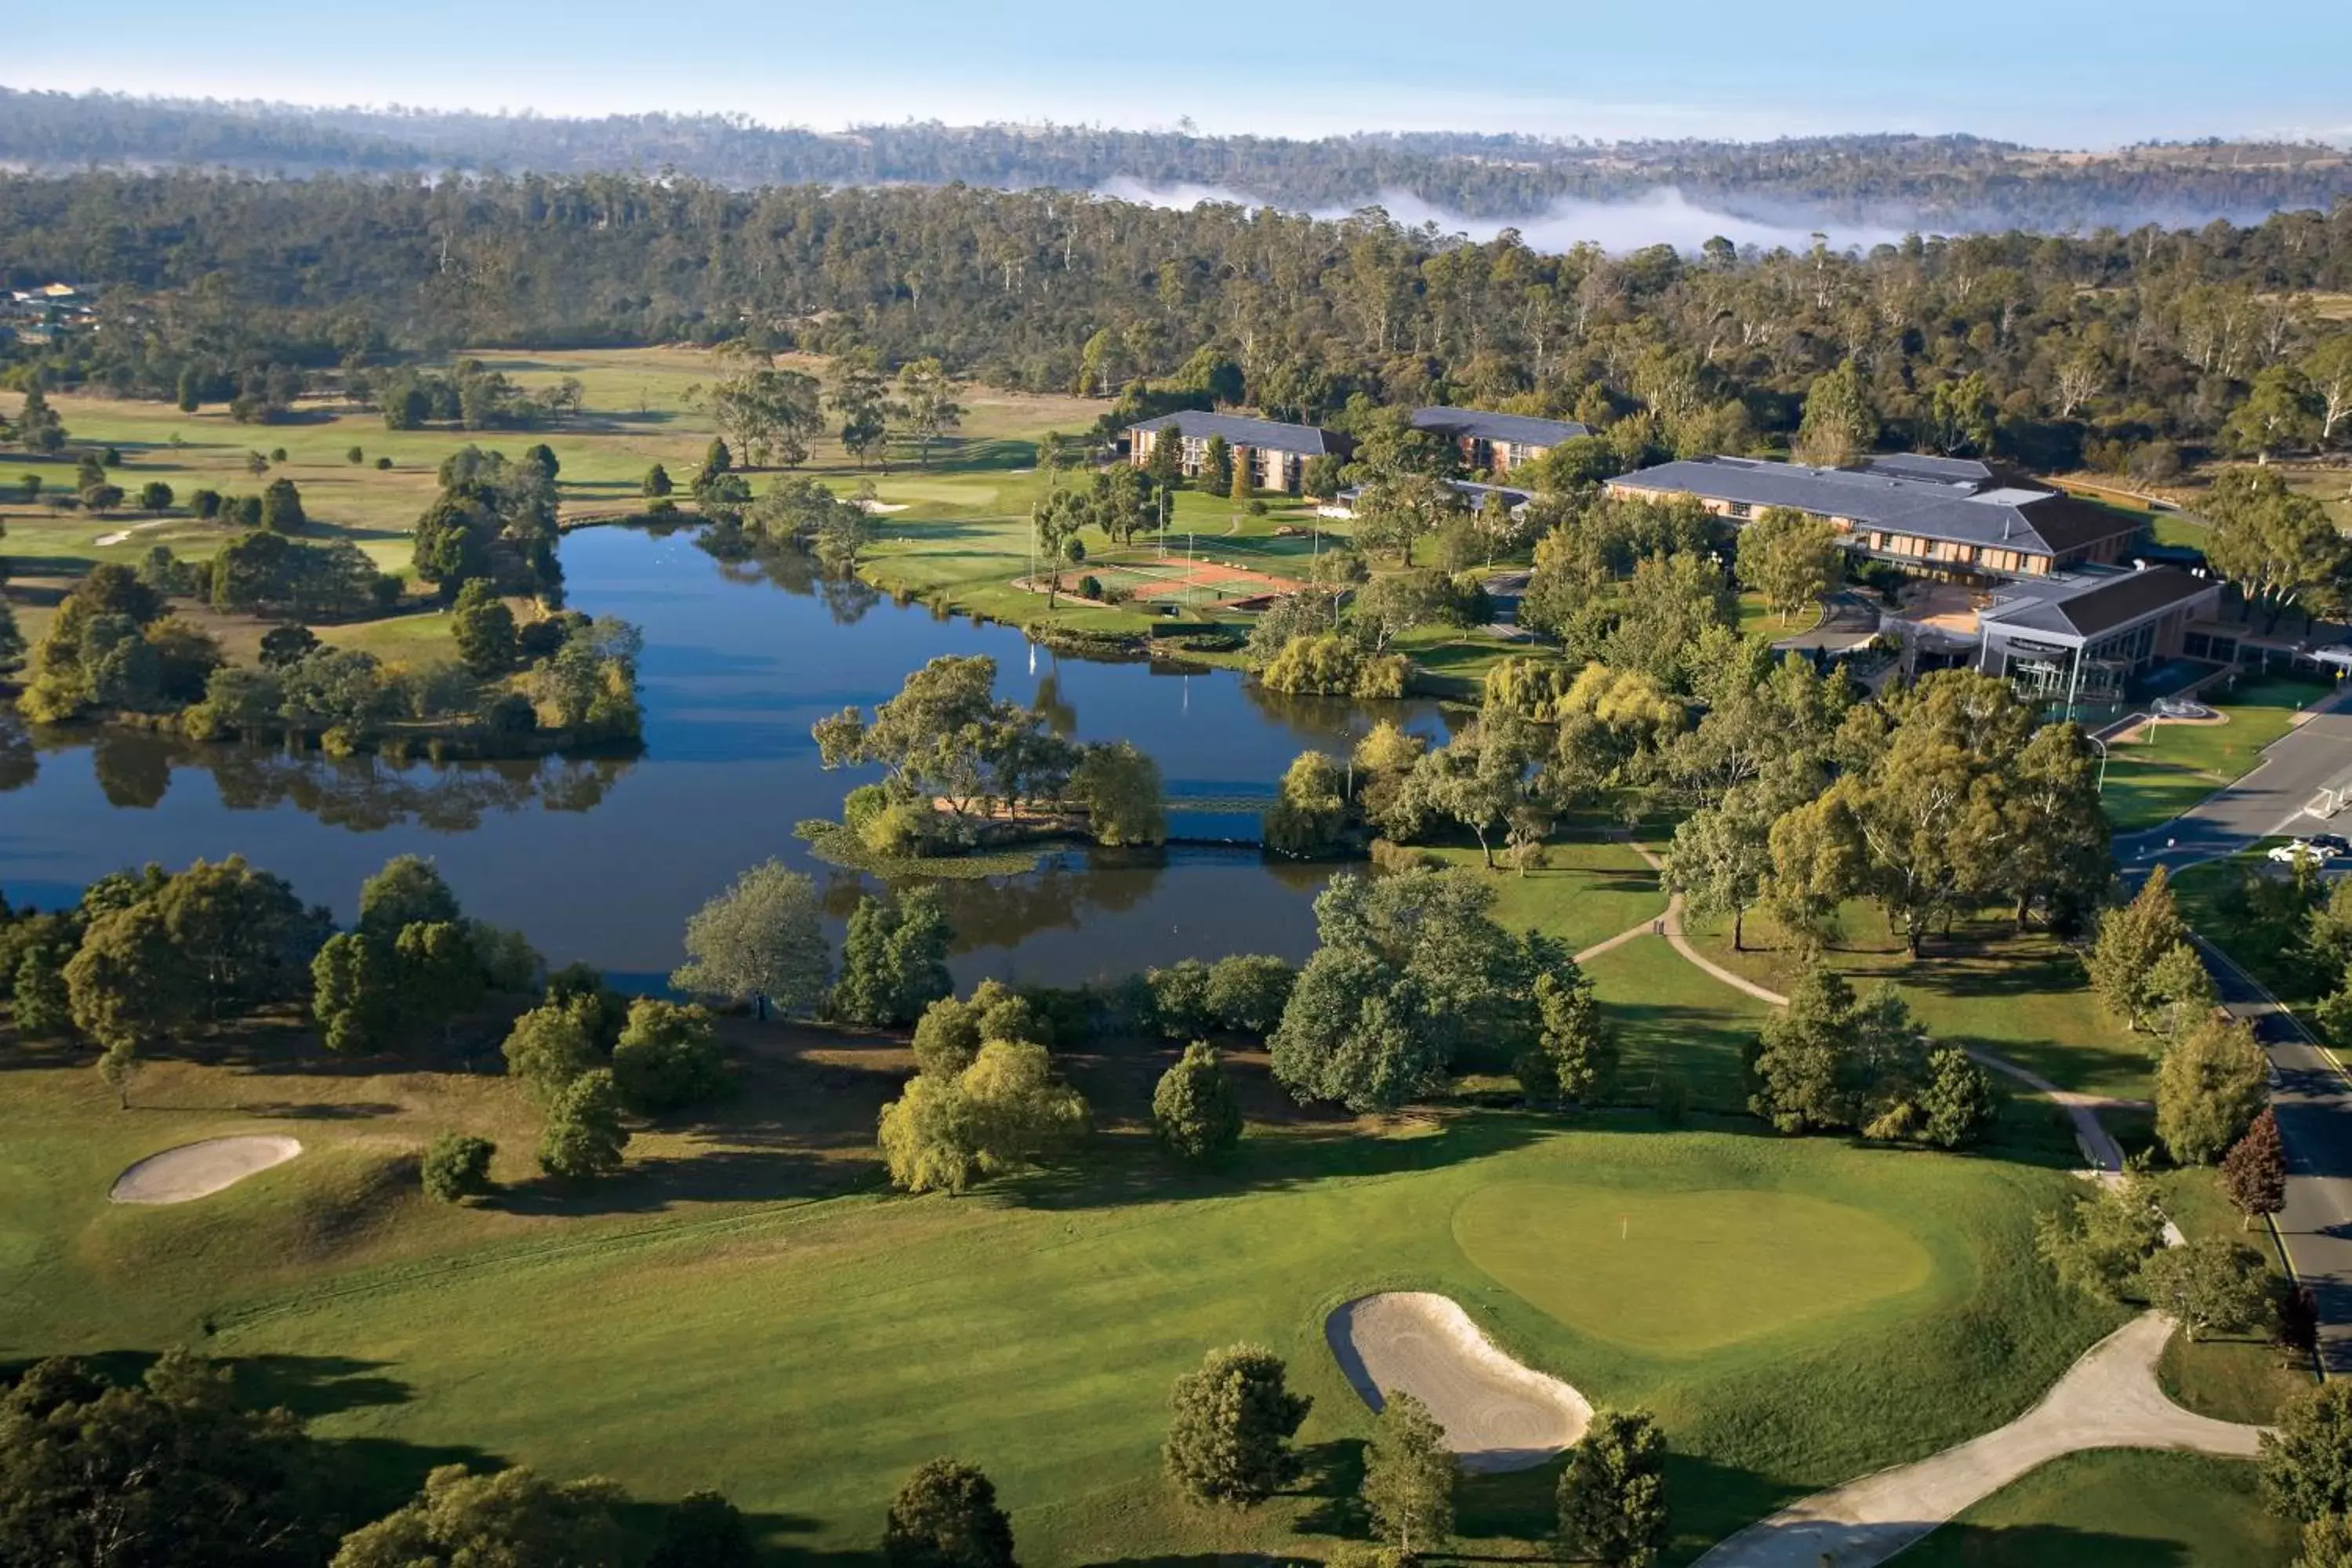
<point>601,860</point>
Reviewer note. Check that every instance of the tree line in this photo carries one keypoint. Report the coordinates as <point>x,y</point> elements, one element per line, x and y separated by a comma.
<point>116,649</point>
<point>1954,183</point>
<point>2047,349</point>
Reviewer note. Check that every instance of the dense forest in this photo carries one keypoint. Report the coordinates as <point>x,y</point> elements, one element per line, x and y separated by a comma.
<point>2049,349</point>
<point>1934,183</point>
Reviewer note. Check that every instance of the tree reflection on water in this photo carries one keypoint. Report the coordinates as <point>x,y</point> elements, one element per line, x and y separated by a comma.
<point>135,770</point>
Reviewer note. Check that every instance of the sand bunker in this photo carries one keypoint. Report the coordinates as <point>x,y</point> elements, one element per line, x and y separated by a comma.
<point>198,1169</point>
<point>1498,1414</point>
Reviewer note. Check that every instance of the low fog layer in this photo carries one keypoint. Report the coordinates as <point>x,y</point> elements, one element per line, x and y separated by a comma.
<point>1664,217</point>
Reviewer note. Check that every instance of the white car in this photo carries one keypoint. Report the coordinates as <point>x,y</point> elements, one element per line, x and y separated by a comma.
<point>2296,849</point>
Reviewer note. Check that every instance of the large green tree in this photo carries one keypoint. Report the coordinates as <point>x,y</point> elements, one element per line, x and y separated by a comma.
<point>1407,968</point>
<point>1229,1437</point>
<point>762,939</point>
<point>1193,1112</point>
<point>167,1472</point>
<point>1409,1475</point>
<point>667,1057</point>
<point>1839,425</point>
<point>1310,809</point>
<point>1945,784</point>
<point>409,891</point>
<point>1792,560</point>
<point>770,416</point>
<point>894,960</point>
<point>1119,785</point>
<point>584,1135</point>
<point>1832,1061</point>
<point>946,736</point>
<point>1007,1109</point>
<point>242,931</point>
<point>2306,1459</point>
<point>2275,544</point>
<point>2209,1285</point>
<point>945,1515</point>
<point>2210,1086</point>
<point>128,983</point>
<point>1612,1492</point>
<point>2098,1240</point>
<point>1480,778</point>
<point>354,993</point>
<point>441,974</point>
<point>513,1519</point>
<point>926,403</point>
<point>2132,940</point>
<point>549,1047</point>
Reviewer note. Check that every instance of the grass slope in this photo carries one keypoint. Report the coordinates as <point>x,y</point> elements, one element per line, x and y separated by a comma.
<point>2020,996</point>
<point>2117,1510</point>
<point>742,1309</point>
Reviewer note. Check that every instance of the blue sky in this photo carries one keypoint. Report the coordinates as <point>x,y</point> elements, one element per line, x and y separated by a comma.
<point>2054,72</point>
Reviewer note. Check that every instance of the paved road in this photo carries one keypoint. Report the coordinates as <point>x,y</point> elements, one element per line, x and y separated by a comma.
<point>1848,621</point>
<point>2266,800</point>
<point>2309,1092</point>
<point>2312,1094</point>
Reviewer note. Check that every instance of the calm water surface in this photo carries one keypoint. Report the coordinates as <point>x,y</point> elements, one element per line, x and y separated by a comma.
<point>603,860</point>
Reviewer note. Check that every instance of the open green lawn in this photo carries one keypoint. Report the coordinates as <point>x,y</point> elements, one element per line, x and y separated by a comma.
<point>2169,767</point>
<point>1758,619</point>
<point>742,1309</point>
<point>2024,996</point>
<point>1672,1019</point>
<point>2235,1377</point>
<point>2213,900</point>
<point>2117,1510</point>
<point>1586,890</point>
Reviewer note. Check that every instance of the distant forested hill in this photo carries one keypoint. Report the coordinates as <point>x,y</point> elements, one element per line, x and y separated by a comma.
<point>2048,349</point>
<point>1934,183</point>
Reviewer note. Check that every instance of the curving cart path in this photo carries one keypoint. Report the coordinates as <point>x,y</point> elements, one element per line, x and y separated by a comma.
<point>2108,1399</point>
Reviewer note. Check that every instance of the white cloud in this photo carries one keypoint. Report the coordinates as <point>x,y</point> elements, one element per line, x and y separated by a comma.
<point>1663,216</point>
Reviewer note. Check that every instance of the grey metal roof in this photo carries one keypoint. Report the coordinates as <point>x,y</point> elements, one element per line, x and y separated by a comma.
<point>1519,429</point>
<point>2092,603</point>
<point>1924,465</point>
<point>1961,509</point>
<point>1239,430</point>
<point>1469,490</point>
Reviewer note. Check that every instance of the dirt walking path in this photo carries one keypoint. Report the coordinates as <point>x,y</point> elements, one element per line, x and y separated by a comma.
<point>1650,927</point>
<point>2108,1399</point>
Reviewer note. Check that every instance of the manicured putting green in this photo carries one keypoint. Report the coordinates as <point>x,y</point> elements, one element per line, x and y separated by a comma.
<point>1683,1273</point>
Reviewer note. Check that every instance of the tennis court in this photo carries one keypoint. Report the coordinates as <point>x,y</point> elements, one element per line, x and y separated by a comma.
<point>1172,579</point>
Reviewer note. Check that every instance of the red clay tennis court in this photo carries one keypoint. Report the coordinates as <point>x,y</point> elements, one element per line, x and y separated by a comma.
<point>1172,579</point>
